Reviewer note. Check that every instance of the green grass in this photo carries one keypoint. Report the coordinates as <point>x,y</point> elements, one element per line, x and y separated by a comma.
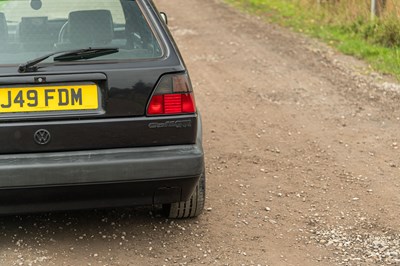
<point>373,42</point>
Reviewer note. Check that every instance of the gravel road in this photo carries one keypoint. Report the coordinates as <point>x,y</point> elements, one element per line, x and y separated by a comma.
<point>302,153</point>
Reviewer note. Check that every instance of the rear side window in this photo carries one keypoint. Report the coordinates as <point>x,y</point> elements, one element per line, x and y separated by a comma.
<point>32,28</point>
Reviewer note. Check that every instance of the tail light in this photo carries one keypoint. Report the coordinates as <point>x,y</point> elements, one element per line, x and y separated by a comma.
<point>173,95</point>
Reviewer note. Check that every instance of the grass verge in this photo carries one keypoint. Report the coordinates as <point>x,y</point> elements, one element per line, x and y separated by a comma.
<point>361,38</point>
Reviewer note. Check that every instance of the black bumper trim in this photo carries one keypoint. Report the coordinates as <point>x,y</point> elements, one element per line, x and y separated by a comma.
<point>99,195</point>
<point>99,166</point>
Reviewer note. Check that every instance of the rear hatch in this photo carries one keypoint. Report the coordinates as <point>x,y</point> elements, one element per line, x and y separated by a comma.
<point>86,103</point>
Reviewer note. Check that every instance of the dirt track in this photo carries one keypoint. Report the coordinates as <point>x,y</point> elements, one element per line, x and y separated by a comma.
<point>302,161</point>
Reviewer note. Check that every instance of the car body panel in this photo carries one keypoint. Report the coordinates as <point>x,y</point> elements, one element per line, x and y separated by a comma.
<point>115,155</point>
<point>75,135</point>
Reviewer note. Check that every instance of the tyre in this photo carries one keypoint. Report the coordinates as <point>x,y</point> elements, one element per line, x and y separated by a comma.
<point>190,208</point>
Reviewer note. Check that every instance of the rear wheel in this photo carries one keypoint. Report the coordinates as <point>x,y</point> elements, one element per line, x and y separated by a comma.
<point>190,208</point>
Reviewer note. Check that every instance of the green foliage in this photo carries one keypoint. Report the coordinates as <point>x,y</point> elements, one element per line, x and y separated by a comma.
<point>385,32</point>
<point>377,41</point>
<point>388,33</point>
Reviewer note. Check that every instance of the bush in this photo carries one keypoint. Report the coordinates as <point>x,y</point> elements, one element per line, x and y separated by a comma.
<point>388,33</point>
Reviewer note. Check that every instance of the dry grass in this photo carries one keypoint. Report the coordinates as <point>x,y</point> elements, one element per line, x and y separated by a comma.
<point>355,16</point>
<point>350,10</point>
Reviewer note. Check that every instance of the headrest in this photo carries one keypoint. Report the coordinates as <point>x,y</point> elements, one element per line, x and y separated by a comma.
<point>3,27</point>
<point>33,29</point>
<point>90,27</point>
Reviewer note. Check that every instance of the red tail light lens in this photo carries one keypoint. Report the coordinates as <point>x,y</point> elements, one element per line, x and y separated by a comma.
<point>156,105</point>
<point>188,103</point>
<point>173,95</point>
<point>172,103</point>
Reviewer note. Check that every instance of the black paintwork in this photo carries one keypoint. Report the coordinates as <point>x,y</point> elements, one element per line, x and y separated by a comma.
<point>112,156</point>
<point>85,134</point>
<point>126,87</point>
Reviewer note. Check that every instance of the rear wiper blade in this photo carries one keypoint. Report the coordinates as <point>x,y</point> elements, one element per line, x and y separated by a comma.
<point>86,53</point>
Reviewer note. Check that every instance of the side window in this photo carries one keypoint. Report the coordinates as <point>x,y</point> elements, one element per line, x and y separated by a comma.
<point>138,32</point>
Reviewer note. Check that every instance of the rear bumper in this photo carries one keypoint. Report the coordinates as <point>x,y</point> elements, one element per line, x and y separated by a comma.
<point>99,178</point>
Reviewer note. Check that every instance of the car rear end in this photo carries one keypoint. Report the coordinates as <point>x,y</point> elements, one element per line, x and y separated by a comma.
<point>113,130</point>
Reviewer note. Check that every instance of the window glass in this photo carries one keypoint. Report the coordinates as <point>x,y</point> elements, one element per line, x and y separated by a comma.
<point>32,28</point>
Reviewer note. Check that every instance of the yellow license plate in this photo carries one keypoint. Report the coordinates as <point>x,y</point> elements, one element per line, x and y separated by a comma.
<point>49,98</point>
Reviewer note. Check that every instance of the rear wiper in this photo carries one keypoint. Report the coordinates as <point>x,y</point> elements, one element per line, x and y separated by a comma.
<point>85,54</point>
<point>72,55</point>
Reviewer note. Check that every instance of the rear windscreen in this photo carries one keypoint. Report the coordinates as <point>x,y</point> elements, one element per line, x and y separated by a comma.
<point>32,28</point>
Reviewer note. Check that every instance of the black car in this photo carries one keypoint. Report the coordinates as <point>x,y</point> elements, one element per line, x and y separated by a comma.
<point>96,109</point>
